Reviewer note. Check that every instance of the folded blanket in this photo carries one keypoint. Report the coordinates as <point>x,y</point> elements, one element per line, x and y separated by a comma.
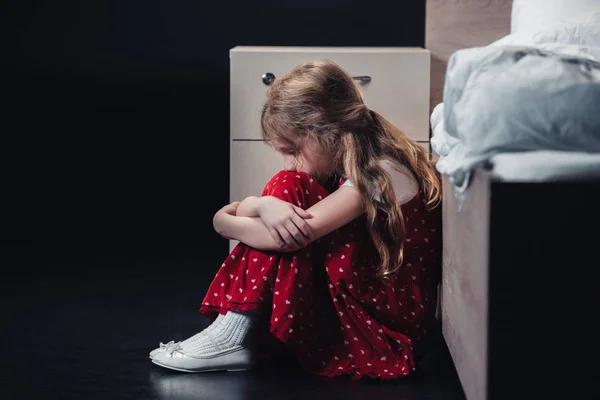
<point>511,99</point>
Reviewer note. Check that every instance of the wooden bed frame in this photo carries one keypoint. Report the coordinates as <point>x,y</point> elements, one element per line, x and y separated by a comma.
<point>519,287</point>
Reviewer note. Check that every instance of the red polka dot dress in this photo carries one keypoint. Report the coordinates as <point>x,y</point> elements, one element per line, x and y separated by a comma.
<point>325,303</point>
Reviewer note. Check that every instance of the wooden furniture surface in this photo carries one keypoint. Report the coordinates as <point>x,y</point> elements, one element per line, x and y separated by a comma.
<point>452,25</point>
<point>457,24</point>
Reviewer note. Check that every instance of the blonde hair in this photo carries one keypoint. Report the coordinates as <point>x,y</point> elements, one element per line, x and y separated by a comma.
<point>318,101</point>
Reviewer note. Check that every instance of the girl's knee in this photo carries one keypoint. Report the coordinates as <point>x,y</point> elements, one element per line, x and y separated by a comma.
<point>288,186</point>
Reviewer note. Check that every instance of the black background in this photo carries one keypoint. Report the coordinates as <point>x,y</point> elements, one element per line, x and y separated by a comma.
<point>115,117</point>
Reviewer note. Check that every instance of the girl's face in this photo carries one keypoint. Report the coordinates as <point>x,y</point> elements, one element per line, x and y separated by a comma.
<point>308,159</point>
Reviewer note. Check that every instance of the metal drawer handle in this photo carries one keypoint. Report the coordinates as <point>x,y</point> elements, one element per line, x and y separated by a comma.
<point>268,78</point>
<point>364,79</point>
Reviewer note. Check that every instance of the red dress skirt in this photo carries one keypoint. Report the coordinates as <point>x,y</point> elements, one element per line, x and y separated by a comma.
<point>325,303</point>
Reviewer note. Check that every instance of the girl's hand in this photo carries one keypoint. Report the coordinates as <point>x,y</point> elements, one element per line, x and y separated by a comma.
<point>285,222</point>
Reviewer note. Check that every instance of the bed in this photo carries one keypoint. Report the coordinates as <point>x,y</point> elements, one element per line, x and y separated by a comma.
<point>520,276</point>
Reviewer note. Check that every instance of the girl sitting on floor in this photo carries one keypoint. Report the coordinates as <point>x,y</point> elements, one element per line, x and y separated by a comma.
<point>340,257</point>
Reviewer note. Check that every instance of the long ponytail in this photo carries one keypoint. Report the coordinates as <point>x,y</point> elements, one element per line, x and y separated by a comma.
<point>363,153</point>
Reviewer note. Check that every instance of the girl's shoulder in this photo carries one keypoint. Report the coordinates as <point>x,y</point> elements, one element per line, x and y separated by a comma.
<point>404,182</point>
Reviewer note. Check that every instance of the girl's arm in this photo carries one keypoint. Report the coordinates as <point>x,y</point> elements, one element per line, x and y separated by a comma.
<point>329,214</point>
<point>248,207</point>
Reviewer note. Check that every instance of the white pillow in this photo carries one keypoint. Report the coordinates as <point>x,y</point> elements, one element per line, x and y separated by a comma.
<point>577,36</point>
<point>583,30</point>
<point>535,15</point>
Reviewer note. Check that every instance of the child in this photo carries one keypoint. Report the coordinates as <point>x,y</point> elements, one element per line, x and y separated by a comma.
<point>340,258</point>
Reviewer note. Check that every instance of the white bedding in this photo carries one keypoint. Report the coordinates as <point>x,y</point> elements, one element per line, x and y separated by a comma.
<point>544,166</point>
<point>535,15</point>
<point>529,104</point>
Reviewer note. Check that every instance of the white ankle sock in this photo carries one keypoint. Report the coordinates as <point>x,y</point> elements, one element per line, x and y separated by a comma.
<point>231,331</point>
<point>215,323</point>
<point>209,328</point>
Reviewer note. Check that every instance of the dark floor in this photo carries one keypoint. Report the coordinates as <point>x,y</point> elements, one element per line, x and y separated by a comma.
<point>82,329</point>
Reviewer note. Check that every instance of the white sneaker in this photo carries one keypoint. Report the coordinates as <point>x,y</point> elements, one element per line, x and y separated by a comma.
<point>237,358</point>
<point>163,347</point>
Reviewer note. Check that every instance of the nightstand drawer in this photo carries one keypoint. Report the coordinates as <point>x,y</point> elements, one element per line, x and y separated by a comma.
<point>398,87</point>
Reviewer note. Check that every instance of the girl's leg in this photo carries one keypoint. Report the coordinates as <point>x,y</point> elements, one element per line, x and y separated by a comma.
<point>323,302</point>
<point>276,286</point>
